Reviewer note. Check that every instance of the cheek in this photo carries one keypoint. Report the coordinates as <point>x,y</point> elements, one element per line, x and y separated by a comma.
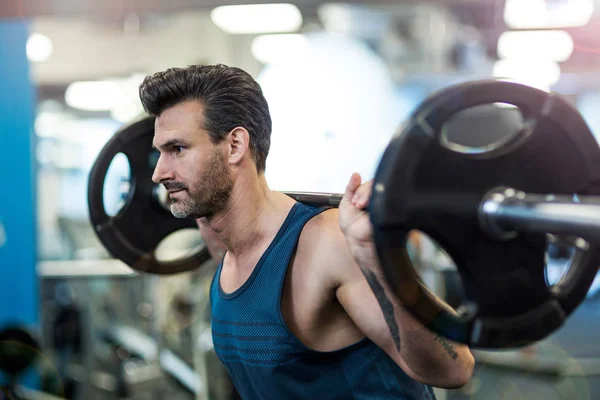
<point>193,171</point>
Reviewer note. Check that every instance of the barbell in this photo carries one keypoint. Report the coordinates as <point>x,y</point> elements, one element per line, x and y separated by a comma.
<point>493,209</point>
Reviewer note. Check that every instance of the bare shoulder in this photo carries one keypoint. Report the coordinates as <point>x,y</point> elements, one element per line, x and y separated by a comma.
<point>323,231</point>
<point>323,245</point>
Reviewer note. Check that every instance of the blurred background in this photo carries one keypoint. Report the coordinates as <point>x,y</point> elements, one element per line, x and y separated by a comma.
<point>340,79</point>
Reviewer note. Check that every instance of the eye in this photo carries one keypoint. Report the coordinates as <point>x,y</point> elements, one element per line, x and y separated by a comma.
<point>177,149</point>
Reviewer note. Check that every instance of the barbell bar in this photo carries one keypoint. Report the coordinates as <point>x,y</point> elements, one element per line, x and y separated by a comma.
<point>503,213</point>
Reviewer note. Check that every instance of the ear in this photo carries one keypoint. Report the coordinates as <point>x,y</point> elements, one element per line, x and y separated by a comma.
<point>239,144</point>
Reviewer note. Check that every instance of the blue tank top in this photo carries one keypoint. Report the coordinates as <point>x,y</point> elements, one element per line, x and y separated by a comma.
<point>267,361</point>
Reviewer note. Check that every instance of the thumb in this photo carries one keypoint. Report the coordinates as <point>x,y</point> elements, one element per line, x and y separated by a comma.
<point>352,185</point>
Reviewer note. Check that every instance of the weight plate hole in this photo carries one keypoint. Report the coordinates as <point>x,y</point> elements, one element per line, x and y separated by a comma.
<point>117,185</point>
<point>560,253</point>
<point>436,268</point>
<point>482,129</point>
<point>179,245</point>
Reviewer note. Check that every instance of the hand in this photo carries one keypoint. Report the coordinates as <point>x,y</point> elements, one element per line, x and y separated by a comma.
<point>354,219</point>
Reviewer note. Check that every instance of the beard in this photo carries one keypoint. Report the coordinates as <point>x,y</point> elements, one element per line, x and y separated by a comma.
<point>207,195</point>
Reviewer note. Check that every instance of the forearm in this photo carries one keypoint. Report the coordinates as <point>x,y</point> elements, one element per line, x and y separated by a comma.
<point>436,360</point>
<point>439,361</point>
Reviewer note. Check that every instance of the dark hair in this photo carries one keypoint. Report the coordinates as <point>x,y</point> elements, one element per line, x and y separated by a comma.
<point>230,96</point>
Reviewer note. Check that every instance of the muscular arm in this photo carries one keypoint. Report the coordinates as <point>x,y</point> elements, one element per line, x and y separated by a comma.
<point>370,302</point>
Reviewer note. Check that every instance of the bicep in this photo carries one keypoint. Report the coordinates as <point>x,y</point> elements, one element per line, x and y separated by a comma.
<point>363,294</point>
<point>360,294</point>
<point>371,307</point>
<point>360,303</point>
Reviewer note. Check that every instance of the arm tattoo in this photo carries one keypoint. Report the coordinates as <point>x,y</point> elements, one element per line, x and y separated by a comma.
<point>386,306</point>
<point>447,346</point>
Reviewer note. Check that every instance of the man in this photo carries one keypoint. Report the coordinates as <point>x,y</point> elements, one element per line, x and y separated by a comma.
<point>297,300</point>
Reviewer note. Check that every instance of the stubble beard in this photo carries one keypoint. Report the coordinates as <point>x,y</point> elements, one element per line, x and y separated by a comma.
<point>210,194</point>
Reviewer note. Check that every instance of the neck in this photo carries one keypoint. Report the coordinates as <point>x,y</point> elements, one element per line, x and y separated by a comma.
<point>253,214</point>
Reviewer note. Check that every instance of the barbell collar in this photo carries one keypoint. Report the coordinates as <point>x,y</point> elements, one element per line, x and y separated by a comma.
<point>505,212</point>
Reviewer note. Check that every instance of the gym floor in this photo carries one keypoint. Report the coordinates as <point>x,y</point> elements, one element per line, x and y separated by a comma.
<point>577,340</point>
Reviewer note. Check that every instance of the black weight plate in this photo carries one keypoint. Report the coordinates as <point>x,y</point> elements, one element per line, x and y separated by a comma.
<point>421,184</point>
<point>135,232</point>
<point>18,350</point>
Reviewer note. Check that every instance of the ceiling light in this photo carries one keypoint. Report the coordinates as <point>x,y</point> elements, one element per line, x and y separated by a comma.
<point>92,95</point>
<point>257,18</point>
<point>39,47</point>
<point>538,74</point>
<point>555,45</point>
<point>534,14</point>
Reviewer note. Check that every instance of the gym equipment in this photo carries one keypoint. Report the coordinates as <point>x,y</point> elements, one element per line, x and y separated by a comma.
<point>18,352</point>
<point>492,208</point>
<point>138,228</point>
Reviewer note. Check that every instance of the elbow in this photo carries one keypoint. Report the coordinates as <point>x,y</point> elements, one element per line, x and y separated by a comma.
<point>449,376</point>
<point>461,376</point>
<point>468,370</point>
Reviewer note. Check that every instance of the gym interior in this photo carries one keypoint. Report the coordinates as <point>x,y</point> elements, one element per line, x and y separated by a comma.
<point>341,80</point>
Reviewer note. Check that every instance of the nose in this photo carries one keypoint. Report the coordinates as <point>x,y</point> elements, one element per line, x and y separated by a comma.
<point>161,171</point>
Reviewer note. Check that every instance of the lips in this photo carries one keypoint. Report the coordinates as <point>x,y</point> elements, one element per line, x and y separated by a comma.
<point>174,187</point>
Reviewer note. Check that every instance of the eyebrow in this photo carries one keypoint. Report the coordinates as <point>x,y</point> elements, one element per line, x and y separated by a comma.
<point>170,143</point>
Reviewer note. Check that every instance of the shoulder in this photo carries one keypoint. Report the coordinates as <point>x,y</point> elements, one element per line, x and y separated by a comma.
<point>322,245</point>
<point>322,231</point>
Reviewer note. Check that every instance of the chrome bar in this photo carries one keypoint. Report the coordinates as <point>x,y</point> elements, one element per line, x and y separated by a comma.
<point>505,211</point>
<point>317,199</point>
<point>161,197</point>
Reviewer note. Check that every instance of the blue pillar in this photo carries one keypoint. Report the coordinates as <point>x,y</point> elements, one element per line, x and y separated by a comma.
<point>18,278</point>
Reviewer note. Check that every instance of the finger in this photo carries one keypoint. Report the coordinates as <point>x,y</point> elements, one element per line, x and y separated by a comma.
<point>353,184</point>
<point>362,195</point>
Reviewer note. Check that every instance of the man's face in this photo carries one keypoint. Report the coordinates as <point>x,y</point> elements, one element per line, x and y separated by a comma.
<point>190,166</point>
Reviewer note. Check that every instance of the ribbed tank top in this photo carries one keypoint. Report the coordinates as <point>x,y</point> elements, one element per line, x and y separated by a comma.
<point>267,361</point>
